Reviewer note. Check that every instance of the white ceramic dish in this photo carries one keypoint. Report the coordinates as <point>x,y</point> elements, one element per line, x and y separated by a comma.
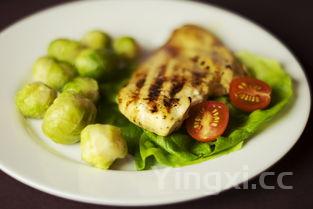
<point>32,159</point>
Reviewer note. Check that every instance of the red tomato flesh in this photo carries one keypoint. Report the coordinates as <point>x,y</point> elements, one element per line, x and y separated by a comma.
<point>207,121</point>
<point>249,94</point>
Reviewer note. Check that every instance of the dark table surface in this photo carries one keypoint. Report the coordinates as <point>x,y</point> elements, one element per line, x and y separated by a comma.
<point>292,22</point>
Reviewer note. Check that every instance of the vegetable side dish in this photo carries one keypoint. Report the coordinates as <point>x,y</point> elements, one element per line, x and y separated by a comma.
<point>191,100</point>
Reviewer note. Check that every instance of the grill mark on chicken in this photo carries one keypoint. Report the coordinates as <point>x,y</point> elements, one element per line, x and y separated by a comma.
<point>197,77</point>
<point>171,50</point>
<point>228,66</point>
<point>155,88</point>
<point>177,85</point>
<point>140,82</point>
<point>195,59</point>
<point>169,103</point>
<point>154,107</point>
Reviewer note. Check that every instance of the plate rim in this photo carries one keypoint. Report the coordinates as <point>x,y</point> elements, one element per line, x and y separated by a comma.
<point>79,198</point>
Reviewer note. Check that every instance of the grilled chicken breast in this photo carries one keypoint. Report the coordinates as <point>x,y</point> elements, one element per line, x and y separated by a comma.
<point>191,66</point>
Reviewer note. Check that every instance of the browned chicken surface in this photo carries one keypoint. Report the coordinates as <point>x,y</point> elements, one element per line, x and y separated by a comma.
<point>189,68</point>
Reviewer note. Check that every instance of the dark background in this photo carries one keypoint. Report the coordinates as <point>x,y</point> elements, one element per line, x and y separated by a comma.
<point>292,22</point>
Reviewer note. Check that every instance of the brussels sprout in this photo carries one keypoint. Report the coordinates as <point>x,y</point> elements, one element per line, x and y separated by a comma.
<point>84,86</point>
<point>96,40</point>
<point>34,99</point>
<point>94,64</point>
<point>126,47</point>
<point>65,50</point>
<point>67,116</point>
<point>53,73</point>
<point>101,145</point>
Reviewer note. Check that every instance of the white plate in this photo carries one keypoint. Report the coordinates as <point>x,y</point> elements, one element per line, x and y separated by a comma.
<point>29,157</point>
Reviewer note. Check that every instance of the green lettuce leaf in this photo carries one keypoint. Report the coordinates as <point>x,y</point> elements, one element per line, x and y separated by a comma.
<point>179,149</point>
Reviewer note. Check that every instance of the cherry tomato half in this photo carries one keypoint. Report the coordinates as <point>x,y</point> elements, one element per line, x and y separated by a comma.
<point>207,121</point>
<point>249,94</point>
